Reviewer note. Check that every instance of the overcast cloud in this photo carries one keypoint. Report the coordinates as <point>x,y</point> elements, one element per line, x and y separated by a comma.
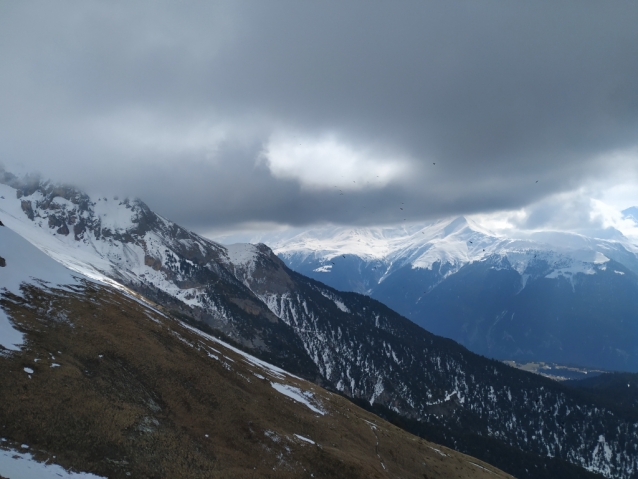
<point>223,114</point>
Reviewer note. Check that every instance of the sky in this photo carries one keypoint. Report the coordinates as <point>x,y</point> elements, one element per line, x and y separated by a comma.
<point>256,115</point>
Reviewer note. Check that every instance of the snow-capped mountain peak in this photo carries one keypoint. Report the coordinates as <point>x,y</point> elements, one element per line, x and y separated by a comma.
<point>453,242</point>
<point>457,240</point>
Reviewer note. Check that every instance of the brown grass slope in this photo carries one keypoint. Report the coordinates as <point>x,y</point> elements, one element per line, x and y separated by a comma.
<point>138,394</point>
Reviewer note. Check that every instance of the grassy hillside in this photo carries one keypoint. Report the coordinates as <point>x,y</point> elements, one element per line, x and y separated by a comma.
<point>120,390</point>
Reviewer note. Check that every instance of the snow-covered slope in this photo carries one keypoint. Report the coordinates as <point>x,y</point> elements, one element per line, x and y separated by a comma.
<point>96,237</point>
<point>106,238</point>
<point>22,263</point>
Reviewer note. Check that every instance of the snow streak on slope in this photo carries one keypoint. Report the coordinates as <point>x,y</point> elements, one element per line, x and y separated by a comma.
<point>297,395</point>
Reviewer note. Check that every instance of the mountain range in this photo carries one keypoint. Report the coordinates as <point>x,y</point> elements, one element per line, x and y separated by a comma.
<point>553,296</point>
<point>99,380</point>
<point>347,342</point>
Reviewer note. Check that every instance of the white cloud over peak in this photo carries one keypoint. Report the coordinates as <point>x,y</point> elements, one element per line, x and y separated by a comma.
<point>327,162</point>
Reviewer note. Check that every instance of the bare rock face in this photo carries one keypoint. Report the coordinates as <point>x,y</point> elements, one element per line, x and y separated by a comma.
<point>156,264</point>
<point>28,209</point>
<point>63,230</point>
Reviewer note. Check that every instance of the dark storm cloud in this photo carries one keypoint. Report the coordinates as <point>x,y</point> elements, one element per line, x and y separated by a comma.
<point>178,102</point>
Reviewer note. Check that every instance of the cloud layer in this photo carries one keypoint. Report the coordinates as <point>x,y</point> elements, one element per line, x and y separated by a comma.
<point>224,113</point>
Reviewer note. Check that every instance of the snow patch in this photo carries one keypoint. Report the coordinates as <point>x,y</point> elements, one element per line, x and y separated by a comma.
<point>438,451</point>
<point>22,465</point>
<point>296,394</point>
<point>10,338</point>
<point>323,269</point>
<point>378,389</point>
<point>484,468</point>
<point>304,439</point>
<point>336,301</point>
